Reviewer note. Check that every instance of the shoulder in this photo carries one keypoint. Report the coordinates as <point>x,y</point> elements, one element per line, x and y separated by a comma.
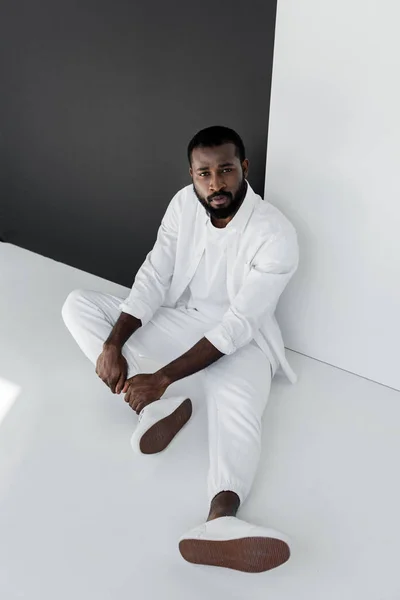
<point>184,203</point>
<point>184,196</point>
<point>181,203</point>
<point>267,220</point>
<point>274,235</point>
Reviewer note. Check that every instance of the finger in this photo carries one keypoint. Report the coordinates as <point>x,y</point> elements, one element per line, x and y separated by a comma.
<point>120,384</point>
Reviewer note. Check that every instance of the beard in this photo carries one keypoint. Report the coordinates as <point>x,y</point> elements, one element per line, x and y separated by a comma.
<point>223,212</point>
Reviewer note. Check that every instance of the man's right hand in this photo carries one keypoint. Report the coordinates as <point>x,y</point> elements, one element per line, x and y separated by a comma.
<point>112,368</point>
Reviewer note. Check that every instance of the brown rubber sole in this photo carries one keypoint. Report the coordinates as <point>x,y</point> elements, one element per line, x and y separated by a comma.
<point>161,433</point>
<point>252,554</point>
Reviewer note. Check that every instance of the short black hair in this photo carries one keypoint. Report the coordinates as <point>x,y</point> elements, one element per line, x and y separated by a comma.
<point>216,136</point>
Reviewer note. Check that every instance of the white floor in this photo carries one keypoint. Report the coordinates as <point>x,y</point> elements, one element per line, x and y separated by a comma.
<point>82,517</point>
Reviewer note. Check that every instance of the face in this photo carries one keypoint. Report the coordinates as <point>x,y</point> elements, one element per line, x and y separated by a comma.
<point>219,180</point>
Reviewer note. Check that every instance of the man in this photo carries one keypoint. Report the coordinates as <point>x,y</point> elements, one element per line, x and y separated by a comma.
<point>203,301</point>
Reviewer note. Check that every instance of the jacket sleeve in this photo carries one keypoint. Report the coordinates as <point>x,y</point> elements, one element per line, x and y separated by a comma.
<point>154,277</point>
<point>271,269</point>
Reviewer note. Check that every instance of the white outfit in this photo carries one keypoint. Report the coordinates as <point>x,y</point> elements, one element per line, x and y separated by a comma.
<point>200,281</point>
<point>262,255</point>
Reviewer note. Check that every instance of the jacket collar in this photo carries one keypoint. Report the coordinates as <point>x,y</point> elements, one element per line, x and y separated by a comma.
<point>240,219</point>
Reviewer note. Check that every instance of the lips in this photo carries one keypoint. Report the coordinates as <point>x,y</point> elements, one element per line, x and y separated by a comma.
<point>219,199</point>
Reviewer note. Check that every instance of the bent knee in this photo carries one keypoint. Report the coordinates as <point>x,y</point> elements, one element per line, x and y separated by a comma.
<point>71,303</point>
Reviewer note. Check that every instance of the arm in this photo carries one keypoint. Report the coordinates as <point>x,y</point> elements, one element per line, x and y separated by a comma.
<point>197,358</point>
<point>154,276</point>
<point>122,331</point>
<point>142,389</point>
<point>272,268</point>
<point>111,365</point>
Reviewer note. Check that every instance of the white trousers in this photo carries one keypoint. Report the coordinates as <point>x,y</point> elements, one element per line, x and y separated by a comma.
<point>235,387</point>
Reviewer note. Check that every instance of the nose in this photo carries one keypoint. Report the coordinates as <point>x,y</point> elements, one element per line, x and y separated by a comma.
<point>217,183</point>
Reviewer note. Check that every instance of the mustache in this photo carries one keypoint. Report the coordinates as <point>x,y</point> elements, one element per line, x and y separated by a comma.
<point>218,196</point>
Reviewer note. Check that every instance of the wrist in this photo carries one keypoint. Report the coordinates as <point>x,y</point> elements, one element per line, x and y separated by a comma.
<point>164,377</point>
<point>110,345</point>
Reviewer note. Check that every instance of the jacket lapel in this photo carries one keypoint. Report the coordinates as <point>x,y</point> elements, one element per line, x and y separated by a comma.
<point>231,253</point>
<point>198,242</point>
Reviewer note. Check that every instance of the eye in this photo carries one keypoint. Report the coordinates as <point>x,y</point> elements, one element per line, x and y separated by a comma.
<point>206,172</point>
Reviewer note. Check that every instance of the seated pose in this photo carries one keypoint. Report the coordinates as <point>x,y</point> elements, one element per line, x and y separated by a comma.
<point>203,303</point>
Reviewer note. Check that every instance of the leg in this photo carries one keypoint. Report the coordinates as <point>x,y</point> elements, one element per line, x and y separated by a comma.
<point>237,389</point>
<point>90,316</point>
<point>224,504</point>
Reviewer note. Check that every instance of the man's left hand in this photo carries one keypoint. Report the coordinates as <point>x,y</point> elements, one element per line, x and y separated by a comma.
<point>143,389</point>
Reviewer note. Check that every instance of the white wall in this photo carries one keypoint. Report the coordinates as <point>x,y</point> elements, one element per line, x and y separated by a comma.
<point>333,167</point>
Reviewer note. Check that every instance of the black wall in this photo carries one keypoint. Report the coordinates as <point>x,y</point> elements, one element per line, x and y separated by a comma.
<point>98,102</point>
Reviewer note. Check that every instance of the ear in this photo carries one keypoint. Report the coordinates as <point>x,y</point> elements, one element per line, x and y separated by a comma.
<point>191,172</point>
<point>245,166</point>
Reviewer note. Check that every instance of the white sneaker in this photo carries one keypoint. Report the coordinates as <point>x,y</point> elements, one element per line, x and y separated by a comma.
<point>233,543</point>
<point>159,422</point>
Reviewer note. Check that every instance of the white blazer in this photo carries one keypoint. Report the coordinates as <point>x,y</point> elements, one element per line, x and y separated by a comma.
<point>262,256</point>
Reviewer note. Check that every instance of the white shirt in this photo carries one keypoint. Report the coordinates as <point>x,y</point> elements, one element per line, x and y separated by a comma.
<point>261,257</point>
<point>207,292</point>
